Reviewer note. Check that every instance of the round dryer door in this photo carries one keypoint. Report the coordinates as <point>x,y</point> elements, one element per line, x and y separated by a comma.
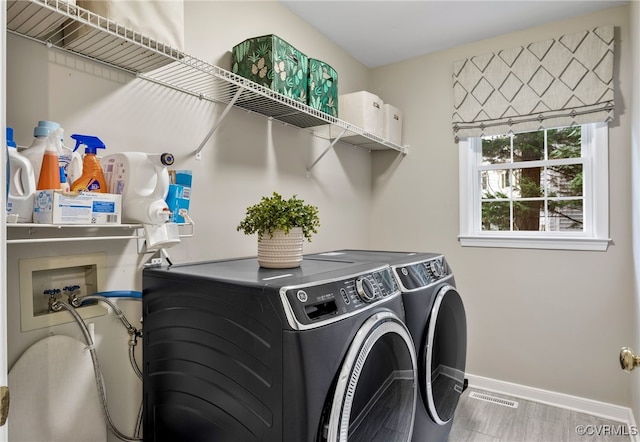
<point>442,371</point>
<point>376,389</point>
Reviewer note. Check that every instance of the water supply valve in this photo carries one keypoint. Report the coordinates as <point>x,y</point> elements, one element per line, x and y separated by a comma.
<point>72,292</point>
<point>53,307</point>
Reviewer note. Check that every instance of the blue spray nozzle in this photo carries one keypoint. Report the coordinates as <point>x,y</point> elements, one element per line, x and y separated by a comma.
<point>9,138</point>
<point>92,143</point>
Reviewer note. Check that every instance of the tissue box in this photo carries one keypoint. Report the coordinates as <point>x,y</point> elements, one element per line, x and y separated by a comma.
<point>179,195</point>
<point>272,62</point>
<point>392,124</point>
<point>56,207</point>
<point>322,91</point>
<point>362,109</point>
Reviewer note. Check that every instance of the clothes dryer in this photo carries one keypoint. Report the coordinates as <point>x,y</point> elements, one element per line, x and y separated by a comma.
<point>234,352</point>
<point>436,319</point>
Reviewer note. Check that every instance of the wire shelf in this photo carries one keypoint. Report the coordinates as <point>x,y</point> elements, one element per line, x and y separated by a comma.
<point>29,233</point>
<point>59,24</point>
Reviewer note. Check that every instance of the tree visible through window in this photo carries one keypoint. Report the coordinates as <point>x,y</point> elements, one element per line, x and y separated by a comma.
<point>533,181</point>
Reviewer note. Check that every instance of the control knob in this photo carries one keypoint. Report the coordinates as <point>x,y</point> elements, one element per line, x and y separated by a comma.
<point>436,267</point>
<point>365,289</point>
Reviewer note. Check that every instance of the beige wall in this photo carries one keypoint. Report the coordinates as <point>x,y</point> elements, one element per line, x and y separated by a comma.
<point>548,319</point>
<point>247,157</point>
<point>552,320</point>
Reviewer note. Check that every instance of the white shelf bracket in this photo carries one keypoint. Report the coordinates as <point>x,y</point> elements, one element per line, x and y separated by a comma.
<point>142,238</point>
<point>329,147</point>
<point>219,121</point>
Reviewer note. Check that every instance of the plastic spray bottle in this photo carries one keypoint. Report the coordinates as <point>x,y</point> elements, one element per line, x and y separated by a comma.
<point>49,178</point>
<point>92,178</point>
<point>21,183</point>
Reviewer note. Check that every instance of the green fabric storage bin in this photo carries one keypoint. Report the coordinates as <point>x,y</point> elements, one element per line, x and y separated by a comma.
<point>272,62</point>
<point>323,87</point>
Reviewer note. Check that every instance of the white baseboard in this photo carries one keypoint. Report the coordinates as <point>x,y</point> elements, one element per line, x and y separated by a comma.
<point>574,403</point>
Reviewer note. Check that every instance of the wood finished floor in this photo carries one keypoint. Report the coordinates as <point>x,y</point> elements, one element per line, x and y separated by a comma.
<point>480,421</point>
<point>387,419</point>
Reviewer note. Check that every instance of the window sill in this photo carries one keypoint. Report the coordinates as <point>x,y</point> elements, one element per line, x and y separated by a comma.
<point>531,242</point>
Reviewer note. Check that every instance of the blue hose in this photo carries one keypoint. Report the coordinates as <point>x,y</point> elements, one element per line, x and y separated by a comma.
<point>120,294</point>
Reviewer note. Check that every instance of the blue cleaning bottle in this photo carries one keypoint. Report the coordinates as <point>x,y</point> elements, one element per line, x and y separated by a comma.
<point>92,179</point>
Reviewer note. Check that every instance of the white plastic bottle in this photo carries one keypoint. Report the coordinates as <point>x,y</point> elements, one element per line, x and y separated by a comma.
<point>143,181</point>
<point>22,184</point>
<point>70,160</point>
<point>49,178</point>
<point>64,185</point>
<point>35,151</point>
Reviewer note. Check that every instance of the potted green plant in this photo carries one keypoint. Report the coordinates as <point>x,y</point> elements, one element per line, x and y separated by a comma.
<point>282,226</point>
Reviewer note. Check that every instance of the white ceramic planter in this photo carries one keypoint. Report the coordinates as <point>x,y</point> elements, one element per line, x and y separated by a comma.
<point>281,251</point>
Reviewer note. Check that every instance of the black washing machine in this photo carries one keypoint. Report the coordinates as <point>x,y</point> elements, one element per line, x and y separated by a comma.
<point>436,319</point>
<point>237,353</point>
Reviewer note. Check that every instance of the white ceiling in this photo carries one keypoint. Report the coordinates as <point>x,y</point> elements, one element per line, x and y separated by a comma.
<point>382,32</point>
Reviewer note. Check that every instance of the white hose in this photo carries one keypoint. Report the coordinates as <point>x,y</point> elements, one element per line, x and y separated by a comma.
<point>96,366</point>
<point>133,332</point>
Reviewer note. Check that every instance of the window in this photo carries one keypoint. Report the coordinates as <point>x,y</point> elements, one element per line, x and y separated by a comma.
<point>543,189</point>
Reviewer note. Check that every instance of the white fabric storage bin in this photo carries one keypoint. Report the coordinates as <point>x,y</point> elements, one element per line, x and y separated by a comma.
<point>362,109</point>
<point>392,124</point>
<point>162,21</point>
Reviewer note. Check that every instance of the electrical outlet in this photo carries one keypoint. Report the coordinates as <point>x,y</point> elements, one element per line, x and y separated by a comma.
<point>154,262</point>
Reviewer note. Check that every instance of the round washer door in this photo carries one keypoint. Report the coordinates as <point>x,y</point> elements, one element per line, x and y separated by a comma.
<point>376,388</point>
<point>445,353</point>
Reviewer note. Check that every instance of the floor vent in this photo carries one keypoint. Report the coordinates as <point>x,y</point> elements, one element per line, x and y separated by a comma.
<point>493,399</point>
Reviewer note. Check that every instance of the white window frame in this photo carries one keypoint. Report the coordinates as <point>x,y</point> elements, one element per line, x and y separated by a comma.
<point>595,152</point>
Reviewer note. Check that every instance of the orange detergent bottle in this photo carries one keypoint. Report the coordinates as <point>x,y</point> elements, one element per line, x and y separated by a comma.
<point>49,178</point>
<point>92,178</point>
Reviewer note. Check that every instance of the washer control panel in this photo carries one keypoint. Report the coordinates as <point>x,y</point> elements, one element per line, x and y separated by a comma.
<point>421,274</point>
<point>318,303</point>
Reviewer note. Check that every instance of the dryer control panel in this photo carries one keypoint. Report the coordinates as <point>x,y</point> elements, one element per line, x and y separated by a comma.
<point>422,274</point>
<point>319,303</point>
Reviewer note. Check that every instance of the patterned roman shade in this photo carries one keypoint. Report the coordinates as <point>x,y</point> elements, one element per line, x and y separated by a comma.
<point>552,83</point>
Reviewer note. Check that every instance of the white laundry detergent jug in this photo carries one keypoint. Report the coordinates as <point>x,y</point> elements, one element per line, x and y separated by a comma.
<point>143,181</point>
<point>22,184</point>
<point>70,160</point>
